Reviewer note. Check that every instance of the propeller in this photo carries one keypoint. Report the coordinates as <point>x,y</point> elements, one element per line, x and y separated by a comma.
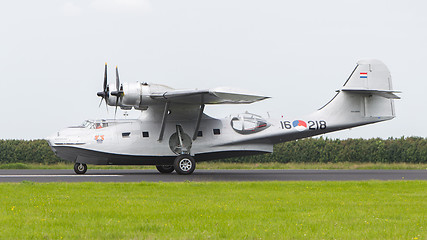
<point>105,92</point>
<point>119,90</point>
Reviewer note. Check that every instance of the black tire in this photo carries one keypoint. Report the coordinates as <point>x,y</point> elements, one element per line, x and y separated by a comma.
<point>165,168</point>
<point>80,168</point>
<point>184,164</point>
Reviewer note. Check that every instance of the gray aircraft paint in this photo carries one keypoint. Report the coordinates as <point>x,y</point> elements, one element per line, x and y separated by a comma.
<point>366,97</point>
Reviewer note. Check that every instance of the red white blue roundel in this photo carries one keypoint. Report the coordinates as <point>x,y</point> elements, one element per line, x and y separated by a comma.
<point>299,125</point>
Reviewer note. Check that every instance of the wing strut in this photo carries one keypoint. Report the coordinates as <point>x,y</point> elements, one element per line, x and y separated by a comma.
<point>165,115</point>
<point>199,117</point>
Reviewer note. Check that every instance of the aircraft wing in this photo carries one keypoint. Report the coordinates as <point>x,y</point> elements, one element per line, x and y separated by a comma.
<point>210,96</point>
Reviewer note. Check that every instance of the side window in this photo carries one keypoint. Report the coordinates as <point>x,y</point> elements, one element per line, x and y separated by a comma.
<point>126,135</point>
<point>248,123</point>
<point>216,131</point>
<point>145,134</point>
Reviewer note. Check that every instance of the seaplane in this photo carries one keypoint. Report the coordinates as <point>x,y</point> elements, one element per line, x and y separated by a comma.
<point>173,133</point>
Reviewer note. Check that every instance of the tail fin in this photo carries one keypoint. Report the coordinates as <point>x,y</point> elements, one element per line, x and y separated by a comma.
<point>366,97</point>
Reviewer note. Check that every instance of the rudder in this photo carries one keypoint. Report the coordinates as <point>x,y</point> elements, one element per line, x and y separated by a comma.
<point>367,95</point>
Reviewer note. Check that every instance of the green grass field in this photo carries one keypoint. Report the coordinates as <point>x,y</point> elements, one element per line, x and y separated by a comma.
<point>255,210</point>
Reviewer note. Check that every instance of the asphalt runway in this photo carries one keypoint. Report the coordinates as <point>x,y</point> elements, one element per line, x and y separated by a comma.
<point>209,175</point>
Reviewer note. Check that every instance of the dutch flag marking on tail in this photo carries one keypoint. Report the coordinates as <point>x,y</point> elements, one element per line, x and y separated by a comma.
<point>363,75</point>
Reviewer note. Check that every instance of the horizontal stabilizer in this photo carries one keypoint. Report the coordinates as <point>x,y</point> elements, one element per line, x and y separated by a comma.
<point>389,94</point>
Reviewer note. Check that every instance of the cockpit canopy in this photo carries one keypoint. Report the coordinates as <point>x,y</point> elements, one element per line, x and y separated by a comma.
<point>94,124</point>
<point>248,123</point>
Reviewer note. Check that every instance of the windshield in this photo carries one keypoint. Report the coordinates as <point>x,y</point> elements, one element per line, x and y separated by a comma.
<point>97,124</point>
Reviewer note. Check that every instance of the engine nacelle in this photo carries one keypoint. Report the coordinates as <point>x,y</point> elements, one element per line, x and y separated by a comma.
<point>136,95</point>
<point>112,100</point>
<point>132,94</point>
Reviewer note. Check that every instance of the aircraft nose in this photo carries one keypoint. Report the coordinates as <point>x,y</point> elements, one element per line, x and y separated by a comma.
<point>50,138</point>
<point>55,138</point>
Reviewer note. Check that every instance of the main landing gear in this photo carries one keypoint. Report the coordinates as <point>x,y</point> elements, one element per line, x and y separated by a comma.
<point>165,168</point>
<point>184,165</point>
<point>80,168</point>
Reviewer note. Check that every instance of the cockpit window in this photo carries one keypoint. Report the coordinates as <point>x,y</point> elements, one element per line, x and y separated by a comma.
<point>248,123</point>
<point>86,124</point>
<point>97,124</point>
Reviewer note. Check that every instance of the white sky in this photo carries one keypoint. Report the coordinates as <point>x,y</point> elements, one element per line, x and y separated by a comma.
<point>52,55</point>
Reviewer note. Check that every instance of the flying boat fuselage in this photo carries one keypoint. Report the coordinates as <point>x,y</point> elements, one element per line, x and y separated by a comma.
<point>173,132</point>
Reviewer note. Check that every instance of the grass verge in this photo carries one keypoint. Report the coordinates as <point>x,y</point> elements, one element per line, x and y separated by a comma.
<point>222,165</point>
<point>267,210</point>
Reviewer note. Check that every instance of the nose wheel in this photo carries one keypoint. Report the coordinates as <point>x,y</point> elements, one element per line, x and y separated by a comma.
<point>80,168</point>
<point>184,164</point>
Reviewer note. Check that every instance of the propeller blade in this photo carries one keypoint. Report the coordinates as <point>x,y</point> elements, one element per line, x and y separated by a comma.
<point>105,78</point>
<point>119,87</point>
<point>106,105</point>
<point>117,79</point>
<point>118,93</point>
<point>100,102</point>
<point>115,111</point>
<point>105,90</point>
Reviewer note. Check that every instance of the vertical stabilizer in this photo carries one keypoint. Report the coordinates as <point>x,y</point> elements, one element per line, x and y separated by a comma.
<point>366,97</point>
<point>370,74</point>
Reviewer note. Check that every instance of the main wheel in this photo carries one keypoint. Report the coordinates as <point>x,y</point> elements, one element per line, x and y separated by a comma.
<point>80,168</point>
<point>184,164</point>
<point>165,168</point>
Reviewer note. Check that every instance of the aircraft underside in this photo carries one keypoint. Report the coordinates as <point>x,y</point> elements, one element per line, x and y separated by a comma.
<point>102,158</point>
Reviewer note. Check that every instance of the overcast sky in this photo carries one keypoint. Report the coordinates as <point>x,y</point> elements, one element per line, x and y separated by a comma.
<point>52,55</point>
